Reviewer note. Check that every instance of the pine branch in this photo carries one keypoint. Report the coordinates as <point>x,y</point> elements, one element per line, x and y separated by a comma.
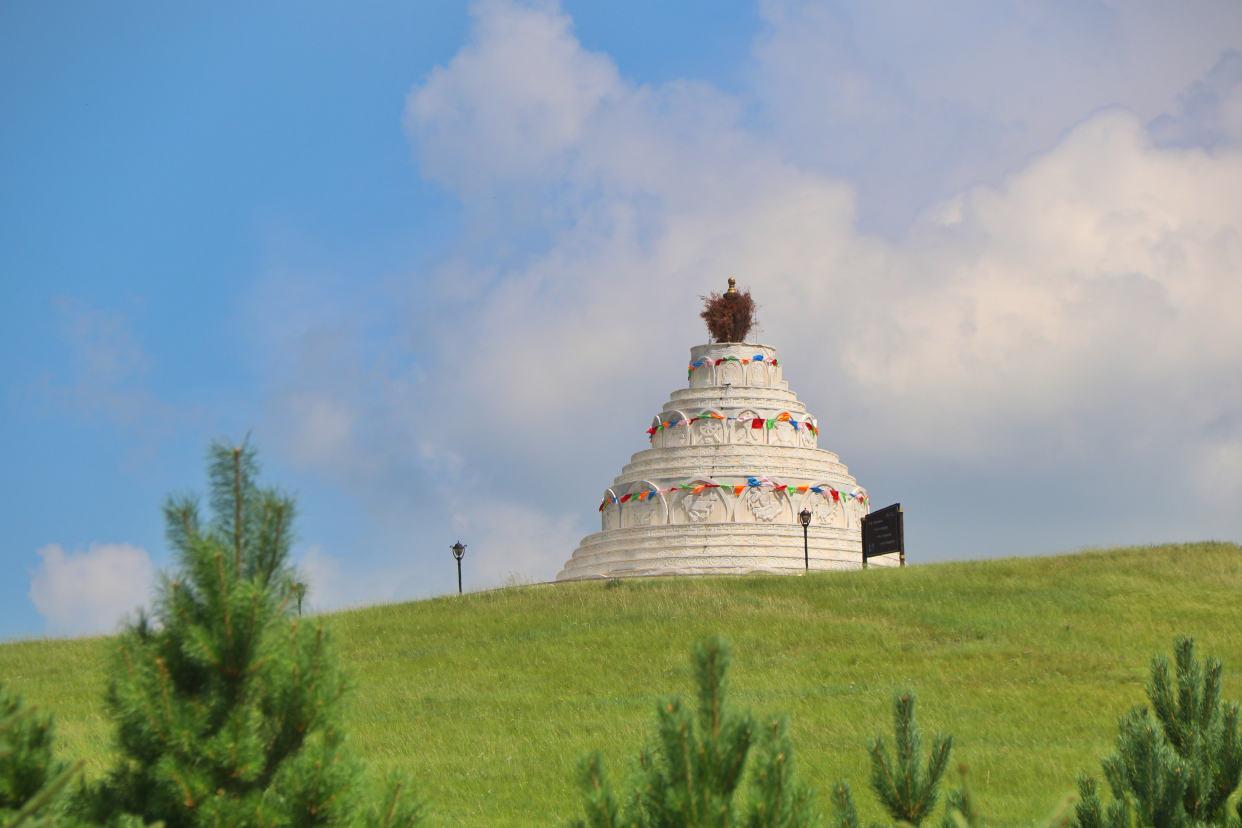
<point>237,507</point>
<point>40,800</point>
<point>1088,812</point>
<point>845,813</point>
<point>599,801</point>
<point>778,798</point>
<point>11,722</point>
<point>906,792</point>
<point>280,514</point>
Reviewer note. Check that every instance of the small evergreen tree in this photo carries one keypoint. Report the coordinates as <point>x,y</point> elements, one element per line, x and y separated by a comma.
<point>31,778</point>
<point>690,778</point>
<point>778,798</point>
<point>227,706</point>
<point>907,791</point>
<point>1175,768</point>
<point>960,810</point>
<point>1202,734</point>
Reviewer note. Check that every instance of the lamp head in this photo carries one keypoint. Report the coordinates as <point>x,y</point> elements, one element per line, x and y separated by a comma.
<point>805,517</point>
<point>459,549</point>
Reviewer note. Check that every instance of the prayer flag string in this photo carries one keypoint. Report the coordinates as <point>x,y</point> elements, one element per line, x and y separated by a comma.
<point>753,422</point>
<point>744,360</point>
<point>751,482</point>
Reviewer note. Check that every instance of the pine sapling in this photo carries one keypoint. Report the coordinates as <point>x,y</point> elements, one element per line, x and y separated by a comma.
<point>690,778</point>
<point>844,811</point>
<point>778,799</point>
<point>1145,772</point>
<point>396,807</point>
<point>1090,812</point>
<point>31,778</point>
<point>1202,734</point>
<point>1177,764</point>
<point>906,789</point>
<point>699,759</point>
<point>598,799</point>
<point>227,705</point>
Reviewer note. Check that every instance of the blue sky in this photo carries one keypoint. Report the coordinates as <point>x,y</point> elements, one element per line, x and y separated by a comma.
<point>442,261</point>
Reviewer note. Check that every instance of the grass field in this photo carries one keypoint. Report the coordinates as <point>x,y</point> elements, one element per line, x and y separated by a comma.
<point>490,698</point>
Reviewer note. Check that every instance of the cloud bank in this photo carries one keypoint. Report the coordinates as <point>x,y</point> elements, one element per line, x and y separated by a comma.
<point>89,592</point>
<point>1056,304</point>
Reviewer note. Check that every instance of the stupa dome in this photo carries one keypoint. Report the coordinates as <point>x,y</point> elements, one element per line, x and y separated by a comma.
<point>734,458</point>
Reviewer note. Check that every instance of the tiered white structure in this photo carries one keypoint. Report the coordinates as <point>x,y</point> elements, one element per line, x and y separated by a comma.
<point>709,497</point>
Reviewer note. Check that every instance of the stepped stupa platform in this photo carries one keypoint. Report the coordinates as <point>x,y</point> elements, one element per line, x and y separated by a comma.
<point>734,458</point>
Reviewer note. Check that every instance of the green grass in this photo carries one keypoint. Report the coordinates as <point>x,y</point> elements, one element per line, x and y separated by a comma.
<point>489,699</point>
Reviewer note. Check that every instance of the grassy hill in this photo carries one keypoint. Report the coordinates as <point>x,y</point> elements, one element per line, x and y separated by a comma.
<point>490,698</point>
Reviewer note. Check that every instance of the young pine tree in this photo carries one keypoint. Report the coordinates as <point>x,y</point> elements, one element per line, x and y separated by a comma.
<point>31,778</point>
<point>907,790</point>
<point>227,705</point>
<point>1179,766</point>
<point>689,780</point>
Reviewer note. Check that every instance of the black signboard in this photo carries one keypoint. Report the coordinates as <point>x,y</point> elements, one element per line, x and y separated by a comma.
<point>884,534</point>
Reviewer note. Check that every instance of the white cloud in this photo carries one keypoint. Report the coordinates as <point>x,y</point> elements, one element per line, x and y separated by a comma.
<point>512,542</point>
<point>89,592</point>
<point>110,380</point>
<point>111,366</point>
<point>914,102</point>
<point>1097,291</point>
<point>1075,320</point>
<point>1083,311</point>
<point>544,91</point>
<point>325,580</point>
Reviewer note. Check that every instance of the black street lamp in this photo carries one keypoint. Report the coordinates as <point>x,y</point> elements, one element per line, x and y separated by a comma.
<point>805,518</point>
<point>459,550</point>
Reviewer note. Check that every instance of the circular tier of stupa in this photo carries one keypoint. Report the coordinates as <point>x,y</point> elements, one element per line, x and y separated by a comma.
<point>734,459</point>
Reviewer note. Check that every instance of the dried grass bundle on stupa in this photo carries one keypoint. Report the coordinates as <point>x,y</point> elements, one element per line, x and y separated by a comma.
<point>729,316</point>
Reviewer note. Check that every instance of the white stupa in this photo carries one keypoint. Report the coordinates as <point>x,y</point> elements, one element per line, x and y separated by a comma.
<point>734,458</point>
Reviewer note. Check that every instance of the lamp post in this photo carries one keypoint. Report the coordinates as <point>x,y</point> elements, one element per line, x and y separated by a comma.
<point>805,518</point>
<point>459,550</point>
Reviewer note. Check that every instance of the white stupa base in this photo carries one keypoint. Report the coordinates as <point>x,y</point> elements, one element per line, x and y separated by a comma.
<point>733,461</point>
<point>715,549</point>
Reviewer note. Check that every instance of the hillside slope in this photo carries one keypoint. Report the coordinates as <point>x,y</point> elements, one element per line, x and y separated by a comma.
<point>490,698</point>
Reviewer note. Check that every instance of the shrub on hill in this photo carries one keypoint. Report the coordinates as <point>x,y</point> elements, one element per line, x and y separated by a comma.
<point>907,791</point>
<point>1176,765</point>
<point>31,778</point>
<point>689,778</point>
<point>228,706</point>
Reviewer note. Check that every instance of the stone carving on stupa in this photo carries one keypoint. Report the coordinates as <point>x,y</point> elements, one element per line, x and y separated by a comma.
<point>734,458</point>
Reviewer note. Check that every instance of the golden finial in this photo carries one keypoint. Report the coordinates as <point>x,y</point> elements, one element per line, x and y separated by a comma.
<point>732,291</point>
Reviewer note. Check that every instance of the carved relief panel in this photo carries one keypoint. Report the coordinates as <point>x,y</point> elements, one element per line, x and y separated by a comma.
<point>784,434</point>
<point>743,433</point>
<point>702,376</point>
<point>610,515</point>
<point>648,510</point>
<point>705,506</point>
<point>677,434</point>
<point>763,504</point>
<point>806,437</point>
<point>854,510</point>
<point>730,373</point>
<point>825,511</point>
<point>759,374</point>
<point>709,432</point>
